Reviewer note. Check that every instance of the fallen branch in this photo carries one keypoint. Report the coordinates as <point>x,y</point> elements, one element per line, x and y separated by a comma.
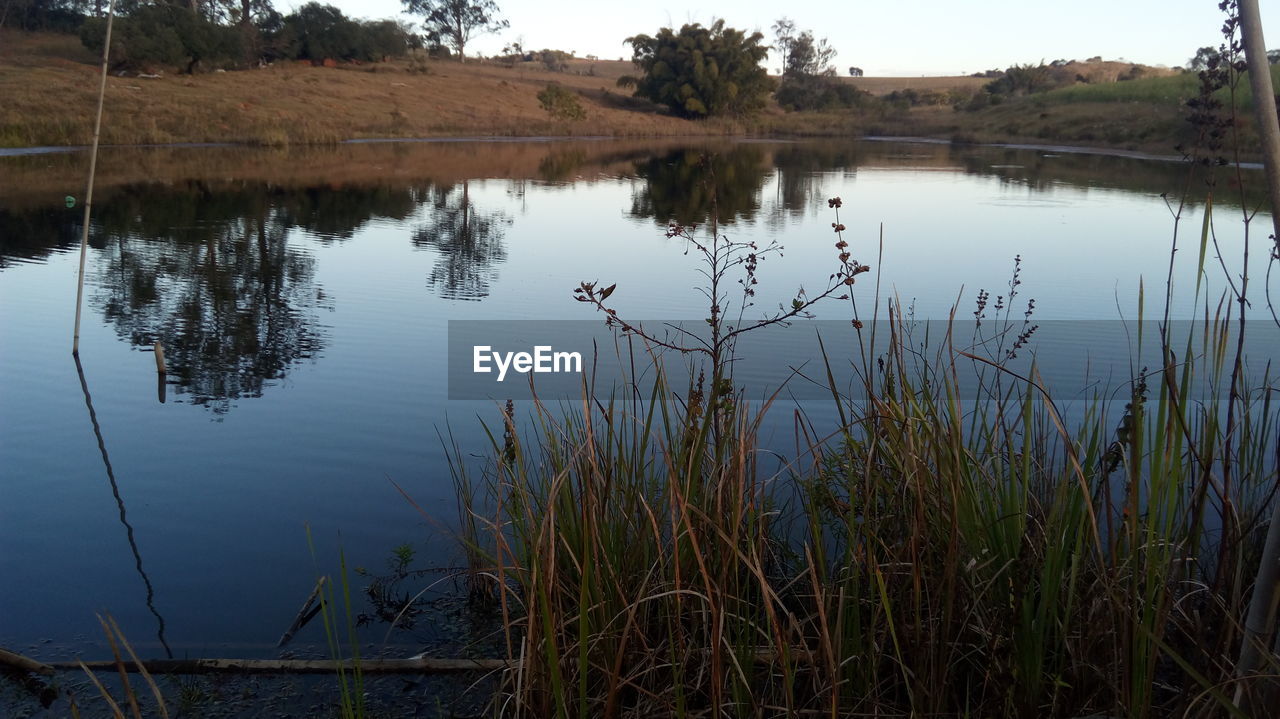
<point>310,609</point>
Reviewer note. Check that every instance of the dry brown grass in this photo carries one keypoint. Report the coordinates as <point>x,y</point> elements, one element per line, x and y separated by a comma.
<point>886,85</point>
<point>49,84</point>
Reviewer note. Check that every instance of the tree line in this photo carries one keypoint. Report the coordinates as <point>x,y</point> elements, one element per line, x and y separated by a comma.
<point>697,71</point>
<point>226,34</point>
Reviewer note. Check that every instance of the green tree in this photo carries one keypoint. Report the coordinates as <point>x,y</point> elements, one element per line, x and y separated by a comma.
<point>1203,58</point>
<point>55,15</point>
<point>322,31</point>
<point>455,22</point>
<point>701,71</point>
<point>808,77</point>
<point>386,38</point>
<point>784,36</point>
<point>802,53</point>
<point>165,35</point>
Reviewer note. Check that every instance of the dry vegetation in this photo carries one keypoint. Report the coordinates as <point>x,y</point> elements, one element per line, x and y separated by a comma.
<point>49,84</point>
<point>886,85</point>
<point>1098,71</point>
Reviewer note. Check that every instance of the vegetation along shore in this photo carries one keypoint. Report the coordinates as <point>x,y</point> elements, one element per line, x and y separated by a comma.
<point>316,77</point>
<point>937,530</point>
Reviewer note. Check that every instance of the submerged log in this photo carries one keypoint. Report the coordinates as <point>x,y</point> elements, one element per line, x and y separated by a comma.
<point>23,664</point>
<point>412,665</point>
<point>416,665</point>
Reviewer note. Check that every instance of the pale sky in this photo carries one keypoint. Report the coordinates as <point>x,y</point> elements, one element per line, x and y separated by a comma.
<point>885,37</point>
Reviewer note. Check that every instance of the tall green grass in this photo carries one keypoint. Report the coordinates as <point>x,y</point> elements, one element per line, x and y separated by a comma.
<point>926,556</point>
<point>1172,90</point>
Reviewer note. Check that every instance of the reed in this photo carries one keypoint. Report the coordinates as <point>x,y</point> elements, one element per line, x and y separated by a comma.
<point>928,555</point>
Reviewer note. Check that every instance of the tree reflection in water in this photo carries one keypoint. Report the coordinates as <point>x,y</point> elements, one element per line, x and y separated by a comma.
<point>213,276</point>
<point>684,186</point>
<point>469,243</point>
<point>212,272</point>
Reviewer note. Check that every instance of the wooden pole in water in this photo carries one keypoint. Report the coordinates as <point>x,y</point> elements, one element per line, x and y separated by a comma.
<point>1260,620</point>
<point>160,372</point>
<point>93,166</point>
<point>1255,52</point>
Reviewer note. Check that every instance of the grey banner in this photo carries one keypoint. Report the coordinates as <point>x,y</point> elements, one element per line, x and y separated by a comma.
<point>501,359</point>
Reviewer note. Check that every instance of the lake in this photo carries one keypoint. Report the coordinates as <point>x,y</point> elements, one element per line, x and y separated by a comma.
<point>303,297</point>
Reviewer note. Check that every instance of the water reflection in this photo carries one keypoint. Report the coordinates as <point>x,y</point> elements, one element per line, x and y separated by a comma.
<point>800,171</point>
<point>468,240</point>
<point>336,212</point>
<point>124,519</point>
<point>35,234</point>
<point>227,255</point>
<point>686,185</point>
<point>213,276</point>
<point>208,265</point>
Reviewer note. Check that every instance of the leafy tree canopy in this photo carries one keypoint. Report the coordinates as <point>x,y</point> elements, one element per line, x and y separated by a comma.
<point>701,71</point>
<point>808,78</point>
<point>165,35</point>
<point>455,22</point>
<point>802,53</point>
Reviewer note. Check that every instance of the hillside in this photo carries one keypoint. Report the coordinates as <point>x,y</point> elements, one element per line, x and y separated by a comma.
<point>49,83</point>
<point>1092,71</point>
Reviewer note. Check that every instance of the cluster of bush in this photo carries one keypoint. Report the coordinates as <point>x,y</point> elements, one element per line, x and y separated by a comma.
<point>903,99</point>
<point>819,92</point>
<point>551,60</point>
<point>1020,80</point>
<point>149,36</point>
<point>560,103</point>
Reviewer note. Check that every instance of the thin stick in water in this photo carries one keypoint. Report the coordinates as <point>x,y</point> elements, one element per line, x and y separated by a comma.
<point>93,166</point>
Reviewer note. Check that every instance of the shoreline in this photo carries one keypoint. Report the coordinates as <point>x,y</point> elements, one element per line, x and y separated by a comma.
<point>515,139</point>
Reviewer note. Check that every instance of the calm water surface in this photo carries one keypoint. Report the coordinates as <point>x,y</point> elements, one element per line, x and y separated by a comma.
<point>302,298</point>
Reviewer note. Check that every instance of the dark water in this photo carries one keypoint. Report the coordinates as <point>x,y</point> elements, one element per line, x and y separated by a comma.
<point>302,299</point>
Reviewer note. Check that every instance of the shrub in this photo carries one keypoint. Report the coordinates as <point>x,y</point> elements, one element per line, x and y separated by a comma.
<point>554,60</point>
<point>1024,80</point>
<point>818,92</point>
<point>561,103</point>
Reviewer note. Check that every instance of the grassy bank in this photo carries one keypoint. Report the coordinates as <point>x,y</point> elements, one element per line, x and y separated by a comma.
<point>925,556</point>
<point>1147,115</point>
<point>49,83</point>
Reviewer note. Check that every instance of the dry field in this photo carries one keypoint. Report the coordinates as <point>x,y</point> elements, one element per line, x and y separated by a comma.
<point>49,84</point>
<point>886,85</point>
<point>1095,72</point>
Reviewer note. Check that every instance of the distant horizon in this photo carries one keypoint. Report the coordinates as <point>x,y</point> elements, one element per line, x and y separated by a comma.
<point>953,39</point>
